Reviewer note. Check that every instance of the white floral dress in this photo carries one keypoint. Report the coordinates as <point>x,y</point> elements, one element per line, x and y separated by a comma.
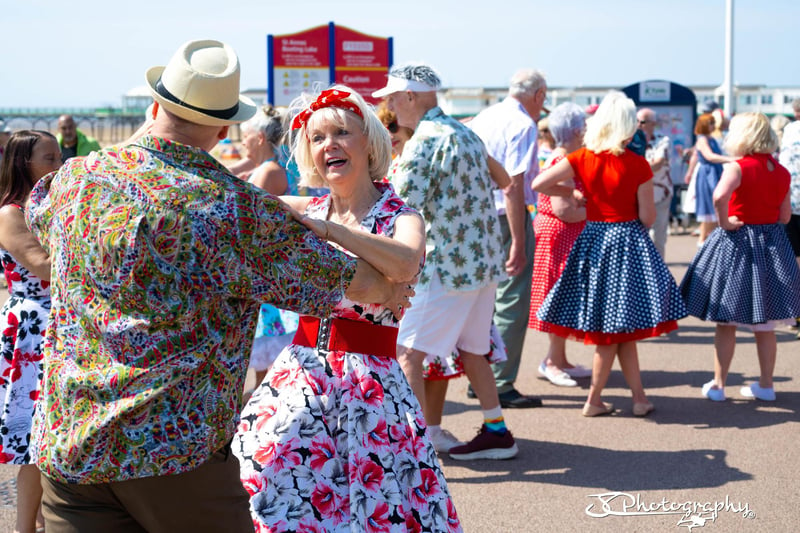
<point>335,441</point>
<point>23,324</point>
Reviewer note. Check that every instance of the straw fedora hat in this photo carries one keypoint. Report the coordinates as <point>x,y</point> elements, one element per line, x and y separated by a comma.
<point>201,84</point>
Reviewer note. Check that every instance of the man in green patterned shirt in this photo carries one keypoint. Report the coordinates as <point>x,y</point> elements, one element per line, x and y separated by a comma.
<point>443,173</point>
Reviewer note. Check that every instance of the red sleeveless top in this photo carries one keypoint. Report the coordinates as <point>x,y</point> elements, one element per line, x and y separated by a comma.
<point>758,198</point>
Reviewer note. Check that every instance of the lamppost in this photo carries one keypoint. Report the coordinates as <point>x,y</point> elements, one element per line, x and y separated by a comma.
<point>727,85</point>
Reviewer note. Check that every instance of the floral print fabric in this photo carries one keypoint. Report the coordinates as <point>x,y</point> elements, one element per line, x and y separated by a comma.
<point>23,323</point>
<point>443,173</point>
<point>161,262</point>
<point>335,441</point>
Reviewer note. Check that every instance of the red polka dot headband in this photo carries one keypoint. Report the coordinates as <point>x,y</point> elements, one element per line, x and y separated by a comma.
<point>328,98</point>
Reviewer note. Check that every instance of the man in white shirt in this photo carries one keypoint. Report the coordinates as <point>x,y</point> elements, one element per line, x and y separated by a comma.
<point>508,129</point>
<point>657,154</point>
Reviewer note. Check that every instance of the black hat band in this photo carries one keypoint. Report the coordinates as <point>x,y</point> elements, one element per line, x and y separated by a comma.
<point>216,113</point>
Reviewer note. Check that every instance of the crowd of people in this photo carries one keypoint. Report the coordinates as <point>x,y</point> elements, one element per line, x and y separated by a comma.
<point>146,279</point>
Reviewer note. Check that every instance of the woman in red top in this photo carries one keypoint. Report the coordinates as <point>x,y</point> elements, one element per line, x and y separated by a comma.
<point>745,274</point>
<point>615,288</point>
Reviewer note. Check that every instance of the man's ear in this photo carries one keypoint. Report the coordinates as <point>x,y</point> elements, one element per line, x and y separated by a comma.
<point>223,132</point>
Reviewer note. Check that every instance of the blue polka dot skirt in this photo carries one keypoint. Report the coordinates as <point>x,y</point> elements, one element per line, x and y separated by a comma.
<point>748,276</point>
<point>614,288</point>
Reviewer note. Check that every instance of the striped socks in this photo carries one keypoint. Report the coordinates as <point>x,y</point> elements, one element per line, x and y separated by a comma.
<point>494,421</point>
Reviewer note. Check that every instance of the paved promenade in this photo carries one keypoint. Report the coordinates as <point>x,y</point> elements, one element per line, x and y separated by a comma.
<point>672,469</point>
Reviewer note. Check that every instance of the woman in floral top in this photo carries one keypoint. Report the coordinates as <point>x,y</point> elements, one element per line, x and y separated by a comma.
<point>334,439</point>
<point>23,319</point>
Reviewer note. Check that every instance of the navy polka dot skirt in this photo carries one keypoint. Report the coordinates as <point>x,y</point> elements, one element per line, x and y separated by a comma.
<point>614,288</point>
<point>748,276</point>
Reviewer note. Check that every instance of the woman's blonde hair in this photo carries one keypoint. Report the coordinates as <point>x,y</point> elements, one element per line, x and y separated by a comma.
<point>750,133</point>
<point>379,144</point>
<point>612,125</point>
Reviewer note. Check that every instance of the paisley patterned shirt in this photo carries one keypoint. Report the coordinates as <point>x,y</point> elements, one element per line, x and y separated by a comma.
<point>443,173</point>
<point>161,260</point>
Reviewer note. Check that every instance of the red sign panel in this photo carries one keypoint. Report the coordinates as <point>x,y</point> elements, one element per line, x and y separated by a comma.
<point>361,61</point>
<point>300,62</point>
<point>304,49</point>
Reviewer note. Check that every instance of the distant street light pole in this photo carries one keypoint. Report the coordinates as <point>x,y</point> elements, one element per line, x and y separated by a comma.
<point>727,84</point>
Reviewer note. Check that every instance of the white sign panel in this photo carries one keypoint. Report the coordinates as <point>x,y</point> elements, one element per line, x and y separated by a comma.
<point>654,91</point>
<point>291,82</point>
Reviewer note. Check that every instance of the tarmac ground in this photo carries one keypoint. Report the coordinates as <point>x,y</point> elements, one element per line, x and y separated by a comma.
<point>719,467</point>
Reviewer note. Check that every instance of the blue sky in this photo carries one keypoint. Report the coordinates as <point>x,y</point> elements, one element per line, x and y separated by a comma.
<point>90,52</point>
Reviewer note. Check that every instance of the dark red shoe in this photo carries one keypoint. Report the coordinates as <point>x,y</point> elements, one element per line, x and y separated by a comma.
<point>486,445</point>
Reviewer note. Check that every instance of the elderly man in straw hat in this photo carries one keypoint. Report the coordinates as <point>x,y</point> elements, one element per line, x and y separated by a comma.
<point>161,260</point>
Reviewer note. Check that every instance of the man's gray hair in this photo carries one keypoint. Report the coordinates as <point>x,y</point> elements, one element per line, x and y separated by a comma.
<point>418,72</point>
<point>566,122</point>
<point>796,105</point>
<point>526,82</point>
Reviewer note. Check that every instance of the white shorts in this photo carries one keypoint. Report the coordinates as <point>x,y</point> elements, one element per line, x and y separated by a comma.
<point>441,320</point>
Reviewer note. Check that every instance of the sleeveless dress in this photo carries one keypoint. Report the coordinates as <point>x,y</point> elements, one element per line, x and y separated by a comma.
<point>554,241</point>
<point>708,175</point>
<point>748,276</point>
<point>24,321</point>
<point>336,441</point>
<point>615,286</point>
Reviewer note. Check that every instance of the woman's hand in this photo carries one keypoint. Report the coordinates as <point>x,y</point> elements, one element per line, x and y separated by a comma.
<point>580,199</point>
<point>731,223</point>
<point>321,228</point>
<point>400,297</point>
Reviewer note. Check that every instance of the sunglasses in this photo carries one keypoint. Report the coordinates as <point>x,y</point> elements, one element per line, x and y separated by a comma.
<point>392,127</point>
<point>643,122</point>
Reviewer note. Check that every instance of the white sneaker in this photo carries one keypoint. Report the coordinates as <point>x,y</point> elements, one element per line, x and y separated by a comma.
<point>758,392</point>
<point>443,440</point>
<point>713,393</point>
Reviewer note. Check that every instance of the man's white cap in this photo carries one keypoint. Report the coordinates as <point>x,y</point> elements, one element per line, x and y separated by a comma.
<point>396,85</point>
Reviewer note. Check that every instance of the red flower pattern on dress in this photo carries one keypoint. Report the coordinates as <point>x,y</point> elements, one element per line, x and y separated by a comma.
<point>369,391</point>
<point>21,359</point>
<point>428,487</point>
<point>378,520</point>
<point>368,473</point>
<point>284,376</point>
<point>254,483</point>
<point>412,524</point>
<point>307,525</point>
<point>266,410</point>
<point>324,500</point>
<point>335,358</point>
<point>5,457</point>
<point>322,450</point>
<point>377,437</point>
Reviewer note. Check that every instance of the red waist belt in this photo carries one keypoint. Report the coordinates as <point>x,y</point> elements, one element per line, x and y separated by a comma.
<point>347,336</point>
